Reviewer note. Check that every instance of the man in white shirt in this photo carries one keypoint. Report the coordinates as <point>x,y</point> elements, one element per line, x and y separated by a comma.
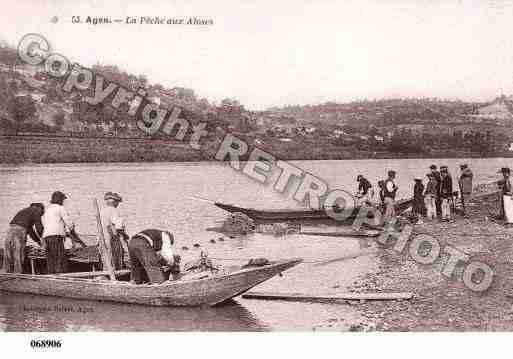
<point>390,190</point>
<point>56,223</point>
<point>114,228</point>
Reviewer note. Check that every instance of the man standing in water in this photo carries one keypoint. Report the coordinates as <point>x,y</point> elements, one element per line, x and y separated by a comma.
<point>389,191</point>
<point>56,222</point>
<point>25,222</point>
<point>114,228</point>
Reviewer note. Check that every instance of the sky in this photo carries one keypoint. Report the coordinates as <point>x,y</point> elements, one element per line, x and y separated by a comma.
<point>276,53</point>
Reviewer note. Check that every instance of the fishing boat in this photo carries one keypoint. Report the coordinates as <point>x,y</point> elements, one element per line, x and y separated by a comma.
<point>281,215</point>
<point>346,233</point>
<point>209,288</point>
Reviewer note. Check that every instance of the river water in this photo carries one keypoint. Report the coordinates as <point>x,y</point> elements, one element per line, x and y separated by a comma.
<point>163,195</point>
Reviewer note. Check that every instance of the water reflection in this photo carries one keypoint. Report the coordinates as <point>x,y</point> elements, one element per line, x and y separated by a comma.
<point>162,195</point>
<point>23,312</point>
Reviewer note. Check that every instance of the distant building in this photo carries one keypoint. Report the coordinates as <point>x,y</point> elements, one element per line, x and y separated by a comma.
<point>500,109</point>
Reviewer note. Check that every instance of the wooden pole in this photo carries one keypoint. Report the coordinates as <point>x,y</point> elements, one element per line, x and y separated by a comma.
<point>328,297</point>
<point>105,253</point>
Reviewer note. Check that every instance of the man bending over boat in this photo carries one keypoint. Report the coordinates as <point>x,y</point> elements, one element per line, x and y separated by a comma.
<point>25,222</point>
<point>365,192</point>
<point>149,250</point>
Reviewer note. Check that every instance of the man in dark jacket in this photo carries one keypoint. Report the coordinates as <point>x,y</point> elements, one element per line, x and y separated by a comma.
<point>149,250</point>
<point>465,183</point>
<point>418,199</point>
<point>25,222</point>
<point>446,193</point>
<point>438,178</point>
<point>365,193</point>
<point>506,196</point>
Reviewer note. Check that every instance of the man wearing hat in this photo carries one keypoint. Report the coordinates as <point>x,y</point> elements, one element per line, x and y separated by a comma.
<point>389,192</point>
<point>438,178</point>
<point>114,227</point>
<point>465,183</point>
<point>56,222</point>
<point>430,196</point>
<point>446,193</point>
<point>25,222</point>
<point>365,192</point>
<point>506,199</point>
<point>418,199</point>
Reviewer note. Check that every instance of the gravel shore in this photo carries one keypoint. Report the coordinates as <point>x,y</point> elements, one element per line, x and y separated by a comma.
<point>441,303</point>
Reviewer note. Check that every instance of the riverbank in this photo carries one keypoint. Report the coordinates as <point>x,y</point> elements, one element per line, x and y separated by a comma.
<point>443,304</point>
<point>65,149</point>
<point>44,149</point>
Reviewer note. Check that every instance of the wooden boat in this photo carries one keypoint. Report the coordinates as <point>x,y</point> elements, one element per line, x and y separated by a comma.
<point>281,215</point>
<point>213,289</point>
<point>342,233</point>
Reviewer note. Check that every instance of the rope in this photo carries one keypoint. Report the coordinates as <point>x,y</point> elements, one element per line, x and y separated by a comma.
<point>311,261</point>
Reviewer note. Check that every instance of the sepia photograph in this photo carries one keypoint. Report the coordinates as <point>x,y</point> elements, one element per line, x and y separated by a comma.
<point>288,167</point>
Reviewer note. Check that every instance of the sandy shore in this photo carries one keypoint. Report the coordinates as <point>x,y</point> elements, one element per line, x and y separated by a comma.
<point>440,303</point>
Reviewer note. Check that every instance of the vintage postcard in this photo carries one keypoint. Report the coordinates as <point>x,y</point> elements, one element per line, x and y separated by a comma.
<point>332,166</point>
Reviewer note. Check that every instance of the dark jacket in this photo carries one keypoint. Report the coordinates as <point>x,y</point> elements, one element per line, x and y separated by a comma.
<point>418,191</point>
<point>29,218</point>
<point>465,181</point>
<point>446,187</point>
<point>156,237</point>
<point>431,188</point>
<point>505,186</point>
<point>386,192</point>
<point>438,178</point>
<point>363,186</point>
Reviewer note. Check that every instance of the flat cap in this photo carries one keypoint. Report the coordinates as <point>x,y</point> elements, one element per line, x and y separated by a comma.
<point>113,195</point>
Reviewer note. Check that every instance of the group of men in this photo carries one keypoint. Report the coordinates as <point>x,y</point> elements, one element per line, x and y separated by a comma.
<point>387,193</point>
<point>433,200</point>
<point>149,250</point>
<point>436,199</point>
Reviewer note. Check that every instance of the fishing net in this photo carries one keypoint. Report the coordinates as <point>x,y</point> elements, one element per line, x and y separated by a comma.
<point>238,223</point>
<point>279,229</point>
<point>90,254</point>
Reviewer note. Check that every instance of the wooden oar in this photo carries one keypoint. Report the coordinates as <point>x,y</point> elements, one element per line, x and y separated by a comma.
<point>202,199</point>
<point>346,257</point>
<point>105,253</point>
<point>329,297</point>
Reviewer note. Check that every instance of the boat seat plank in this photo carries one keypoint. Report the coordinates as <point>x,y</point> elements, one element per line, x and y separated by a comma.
<point>87,274</point>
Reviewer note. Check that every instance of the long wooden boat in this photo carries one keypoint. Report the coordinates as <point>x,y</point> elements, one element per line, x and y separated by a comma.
<point>281,215</point>
<point>213,289</point>
<point>343,233</point>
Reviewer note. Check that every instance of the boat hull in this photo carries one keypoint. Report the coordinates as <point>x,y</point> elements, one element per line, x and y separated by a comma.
<point>295,215</point>
<point>208,291</point>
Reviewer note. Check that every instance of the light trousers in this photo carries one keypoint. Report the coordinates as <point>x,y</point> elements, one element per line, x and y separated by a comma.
<point>430,203</point>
